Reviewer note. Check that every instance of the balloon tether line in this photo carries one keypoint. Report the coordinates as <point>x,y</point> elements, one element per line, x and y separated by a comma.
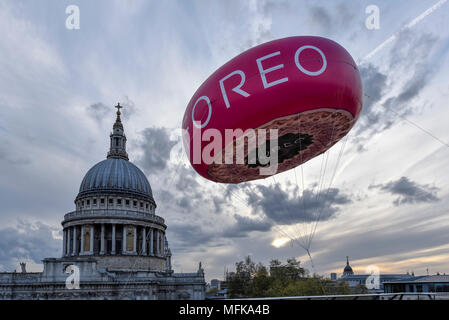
<point>310,257</point>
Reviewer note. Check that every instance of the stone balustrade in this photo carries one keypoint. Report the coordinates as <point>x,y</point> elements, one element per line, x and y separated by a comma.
<point>112,213</point>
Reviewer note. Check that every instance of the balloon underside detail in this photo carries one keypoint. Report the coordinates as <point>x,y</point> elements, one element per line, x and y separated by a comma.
<point>311,132</point>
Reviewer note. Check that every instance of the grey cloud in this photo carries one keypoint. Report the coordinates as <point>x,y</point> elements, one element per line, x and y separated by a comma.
<point>374,84</point>
<point>331,21</point>
<point>259,26</point>
<point>185,236</point>
<point>414,68</point>
<point>268,7</point>
<point>410,49</point>
<point>185,202</point>
<point>129,106</point>
<point>244,225</point>
<point>237,190</point>
<point>320,18</point>
<point>27,241</point>
<point>11,156</point>
<point>189,192</point>
<point>99,111</point>
<point>278,206</point>
<point>179,191</point>
<point>410,55</point>
<point>218,203</point>
<point>261,31</point>
<point>156,146</point>
<point>417,69</point>
<point>185,179</point>
<point>408,191</point>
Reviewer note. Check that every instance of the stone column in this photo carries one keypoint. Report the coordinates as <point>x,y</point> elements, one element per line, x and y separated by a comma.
<point>151,241</point>
<point>135,240</point>
<point>92,231</point>
<point>102,239</point>
<point>64,242</point>
<point>74,241</point>
<point>144,241</point>
<point>113,239</point>
<point>69,239</point>
<point>168,261</point>
<point>157,242</point>
<point>124,240</point>
<point>82,240</point>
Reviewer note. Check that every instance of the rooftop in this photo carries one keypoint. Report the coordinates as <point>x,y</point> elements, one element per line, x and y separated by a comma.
<point>424,279</point>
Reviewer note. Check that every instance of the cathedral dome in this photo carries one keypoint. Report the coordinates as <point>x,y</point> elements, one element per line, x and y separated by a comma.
<point>347,270</point>
<point>116,175</point>
<point>116,214</point>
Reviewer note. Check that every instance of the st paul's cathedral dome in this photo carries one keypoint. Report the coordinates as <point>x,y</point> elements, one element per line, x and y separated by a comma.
<point>115,214</point>
<point>114,245</point>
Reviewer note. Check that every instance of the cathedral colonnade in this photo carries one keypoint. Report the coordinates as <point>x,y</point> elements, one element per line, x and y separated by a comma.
<point>113,239</point>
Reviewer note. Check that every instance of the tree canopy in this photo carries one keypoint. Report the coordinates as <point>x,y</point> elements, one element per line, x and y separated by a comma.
<point>253,279</point>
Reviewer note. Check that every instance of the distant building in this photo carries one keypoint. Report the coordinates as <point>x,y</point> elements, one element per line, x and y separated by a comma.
<point>359,280</point>
<point>221,285</point>
<point>347,271</point>
<point>215,283</point>
<point>433,283</point>
<point>224,284</point>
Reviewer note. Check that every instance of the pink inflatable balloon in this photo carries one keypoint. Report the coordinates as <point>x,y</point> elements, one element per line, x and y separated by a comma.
<point>308,88</point>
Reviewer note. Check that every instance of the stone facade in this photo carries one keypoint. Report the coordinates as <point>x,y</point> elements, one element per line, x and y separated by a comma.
<point>100,284</point>
<point>114,242</point>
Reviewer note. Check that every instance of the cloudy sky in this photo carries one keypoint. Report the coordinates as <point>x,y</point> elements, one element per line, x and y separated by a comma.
<point>384,201</point>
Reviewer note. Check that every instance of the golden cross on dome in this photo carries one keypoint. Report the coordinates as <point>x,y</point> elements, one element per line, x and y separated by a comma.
<point>118,106</point>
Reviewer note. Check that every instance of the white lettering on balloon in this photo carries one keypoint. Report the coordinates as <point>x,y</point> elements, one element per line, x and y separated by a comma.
<point>201,124</point>
<point>300,67</point>
<point>263,71</point>
<point>235,89</point>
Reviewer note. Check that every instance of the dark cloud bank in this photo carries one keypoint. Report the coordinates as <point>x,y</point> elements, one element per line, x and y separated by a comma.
<point>156,146</point>
<point>281,208</point>
<point>27,241</point>
<point>408,191</point>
